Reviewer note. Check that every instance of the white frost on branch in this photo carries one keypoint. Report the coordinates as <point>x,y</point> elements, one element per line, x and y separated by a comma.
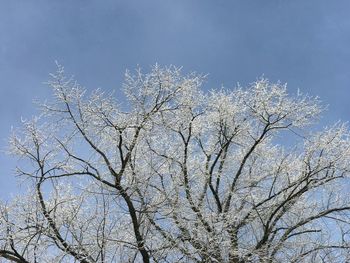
<point>183,175</point>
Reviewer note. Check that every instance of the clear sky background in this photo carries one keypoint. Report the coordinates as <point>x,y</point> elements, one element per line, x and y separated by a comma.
<point>305,43</point>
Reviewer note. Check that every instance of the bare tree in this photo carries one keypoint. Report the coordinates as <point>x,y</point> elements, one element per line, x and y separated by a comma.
<point>178,175</point>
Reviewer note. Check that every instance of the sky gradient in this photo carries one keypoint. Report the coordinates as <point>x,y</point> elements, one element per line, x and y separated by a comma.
<point>303,43</point>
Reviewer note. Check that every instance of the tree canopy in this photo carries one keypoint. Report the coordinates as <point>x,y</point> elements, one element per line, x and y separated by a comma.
<point>178,174</point>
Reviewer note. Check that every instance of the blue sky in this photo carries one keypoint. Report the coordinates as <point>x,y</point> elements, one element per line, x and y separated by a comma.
<point>303,43</point>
